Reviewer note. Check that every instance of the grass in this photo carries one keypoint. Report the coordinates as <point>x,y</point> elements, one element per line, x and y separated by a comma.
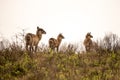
<point>19,65</point>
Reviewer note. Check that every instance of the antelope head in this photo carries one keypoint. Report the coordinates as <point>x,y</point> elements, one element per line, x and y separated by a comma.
<point>60,36</point>
<point>40,31</point>
<point>88,35</point>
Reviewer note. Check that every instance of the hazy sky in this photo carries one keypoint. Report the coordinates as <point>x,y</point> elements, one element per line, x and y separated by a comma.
<point>73,18</point>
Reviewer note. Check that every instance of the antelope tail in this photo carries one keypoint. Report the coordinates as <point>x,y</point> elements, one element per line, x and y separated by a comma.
<point>28,37</point>
<point>51,42</point>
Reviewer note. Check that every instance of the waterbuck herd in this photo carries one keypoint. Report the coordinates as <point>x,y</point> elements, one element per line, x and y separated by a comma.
<point>32,41</point>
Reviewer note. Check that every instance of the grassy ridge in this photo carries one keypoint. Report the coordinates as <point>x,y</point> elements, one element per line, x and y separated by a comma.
<point>18,65</point>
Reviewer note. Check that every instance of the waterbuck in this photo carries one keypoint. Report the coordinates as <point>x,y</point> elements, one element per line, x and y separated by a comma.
<point>55,43</point>
<point>33,39</point>
<point>89,44</point>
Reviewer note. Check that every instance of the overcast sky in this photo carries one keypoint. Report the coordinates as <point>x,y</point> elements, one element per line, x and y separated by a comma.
<point>72,18</point>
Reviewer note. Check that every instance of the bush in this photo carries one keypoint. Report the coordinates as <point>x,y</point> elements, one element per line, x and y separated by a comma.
<point>17,64</point>
<point>110,43</point>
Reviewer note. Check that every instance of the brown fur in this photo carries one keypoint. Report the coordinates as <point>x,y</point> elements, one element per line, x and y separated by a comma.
<point>33,39</point>
<point>89,44</point>
<point>55,43</point>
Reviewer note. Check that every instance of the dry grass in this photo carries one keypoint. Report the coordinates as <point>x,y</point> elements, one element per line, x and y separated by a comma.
<point>17,64</point>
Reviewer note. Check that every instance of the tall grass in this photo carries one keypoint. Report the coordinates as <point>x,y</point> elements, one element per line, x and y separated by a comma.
<point>17,64</point>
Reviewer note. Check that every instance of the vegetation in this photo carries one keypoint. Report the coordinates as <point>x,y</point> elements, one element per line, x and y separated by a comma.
<point>104,64</point>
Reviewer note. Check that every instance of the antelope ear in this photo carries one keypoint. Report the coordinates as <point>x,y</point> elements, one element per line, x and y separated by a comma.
<point>37,27</point>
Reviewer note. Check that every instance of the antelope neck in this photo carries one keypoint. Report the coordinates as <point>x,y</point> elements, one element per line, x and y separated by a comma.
<point>39,36</point>
<point>59,40</point>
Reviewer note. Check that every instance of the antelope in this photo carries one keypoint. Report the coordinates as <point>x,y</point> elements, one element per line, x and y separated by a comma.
<point>89,44</point>
<point>33,39</point>
<point>55,43</point>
